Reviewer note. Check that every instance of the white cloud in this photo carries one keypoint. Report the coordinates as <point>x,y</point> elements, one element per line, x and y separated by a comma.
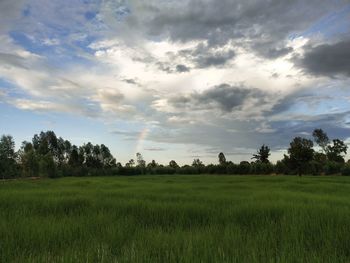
<point>130,70</point>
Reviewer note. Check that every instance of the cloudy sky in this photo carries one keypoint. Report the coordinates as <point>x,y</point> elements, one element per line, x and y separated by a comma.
<point>175,79</point>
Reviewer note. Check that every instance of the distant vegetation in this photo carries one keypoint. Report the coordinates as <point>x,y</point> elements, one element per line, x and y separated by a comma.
<point>50,156</point>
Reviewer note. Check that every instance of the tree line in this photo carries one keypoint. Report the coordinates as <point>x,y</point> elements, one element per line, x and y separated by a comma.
<point>50,156</point>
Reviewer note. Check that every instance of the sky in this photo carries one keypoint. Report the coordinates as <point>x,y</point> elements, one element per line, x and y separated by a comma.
<point>175,79</point>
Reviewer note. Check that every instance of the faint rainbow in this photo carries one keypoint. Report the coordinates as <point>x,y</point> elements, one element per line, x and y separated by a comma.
<point>140,140</point>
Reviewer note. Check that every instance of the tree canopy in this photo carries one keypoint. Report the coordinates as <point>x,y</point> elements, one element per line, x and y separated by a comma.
<point>47,155</point>
<point>262,154</point>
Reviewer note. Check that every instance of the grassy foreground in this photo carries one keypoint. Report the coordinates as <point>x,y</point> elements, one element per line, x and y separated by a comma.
<point>176,219</point>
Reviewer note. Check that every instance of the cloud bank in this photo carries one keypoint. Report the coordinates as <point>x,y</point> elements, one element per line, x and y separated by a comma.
<point>216,74</point>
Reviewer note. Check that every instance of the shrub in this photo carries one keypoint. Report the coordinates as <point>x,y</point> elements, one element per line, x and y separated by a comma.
<point>332,168</point>
<point>47,166</point>
<point>186,169</point>
<point>244,168</point>
<point>315,168</point>
<point>261,168</point>
<point>346,170</point>
<point>231,168</point>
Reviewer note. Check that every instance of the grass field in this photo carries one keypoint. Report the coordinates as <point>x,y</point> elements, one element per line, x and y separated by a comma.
<point>176,219</point>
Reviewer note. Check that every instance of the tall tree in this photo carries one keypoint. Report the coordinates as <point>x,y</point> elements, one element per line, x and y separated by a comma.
<point>107,158</point>
<point>47,147</point>
<point>88,151</point>
<point>152,165</point>
<point>7,157</point>
<point>140,161</point>
<point>262,154</point>
<point>30,163</point>
<point>130,163</point>
<point>336,151</point>
<point>222,159</point>
<point>300,153</point>
<point>197,163</point>
<point>321,138</point>
<point>173,164</point>
<point>97,158</point>
<point>64,150</point>
<point>29,160</point>
<point>47,166</point>
<point>74,159</point>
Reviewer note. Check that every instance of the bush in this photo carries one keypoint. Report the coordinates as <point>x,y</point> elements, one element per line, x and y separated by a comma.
<point>188,170</point>
<point>346,170</point>
<point>162,170</point>
<point>282,167</point>
<point>332,168</point>
<point>47,166</point>
<point>244,168</point>
<point>315,168</point>
<point>262,168</point>
<point>129,171</point>
<point>231,168</point>
<point>212,169</point>
<point>9,169</point>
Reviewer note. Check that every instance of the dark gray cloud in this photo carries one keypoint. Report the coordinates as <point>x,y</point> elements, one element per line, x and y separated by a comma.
<point>216,59</point>
<point>164,67</point>
<point>250,23</point>
<point>327,59</point>
<point>310,98</point>
<point>270,49</point>
<point>204,56</point>
<point>229,134</point>
<point>170,69</point>
<point>296,125</point>
<point>182,68</point>
<point>278,52</point>
<point>224,97</point>
<point>132,82</point>
<point>295,114</point>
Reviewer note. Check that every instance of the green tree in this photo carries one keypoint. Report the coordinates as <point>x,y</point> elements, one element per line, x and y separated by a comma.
<point>321,138</point>
<point>300,153</point>
<point>197,163</point>
<point>74,159</point>
<point>29,160</point>
<point>107,158</point>
<point>152,165</point>
<point>262,154</point>
<point>88,153</point>
<point>244,167</point>
<point>64,150</point>
<point>97,157</point>
<point>336,151</point>
<point>47,142</point>
<point>222,159</point>
<point>47,166</point>
<point>131,163</point>
<point>140,161</point>
<point>8,164</point>
<point>173,164</point>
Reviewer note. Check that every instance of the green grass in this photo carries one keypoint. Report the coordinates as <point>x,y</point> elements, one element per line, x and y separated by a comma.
<point>176,219</point>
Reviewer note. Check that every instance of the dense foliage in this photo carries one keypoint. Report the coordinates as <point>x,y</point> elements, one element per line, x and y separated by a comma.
<point>50,156</point>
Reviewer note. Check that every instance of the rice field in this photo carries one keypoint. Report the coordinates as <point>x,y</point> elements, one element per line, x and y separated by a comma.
<point>176,219</point>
